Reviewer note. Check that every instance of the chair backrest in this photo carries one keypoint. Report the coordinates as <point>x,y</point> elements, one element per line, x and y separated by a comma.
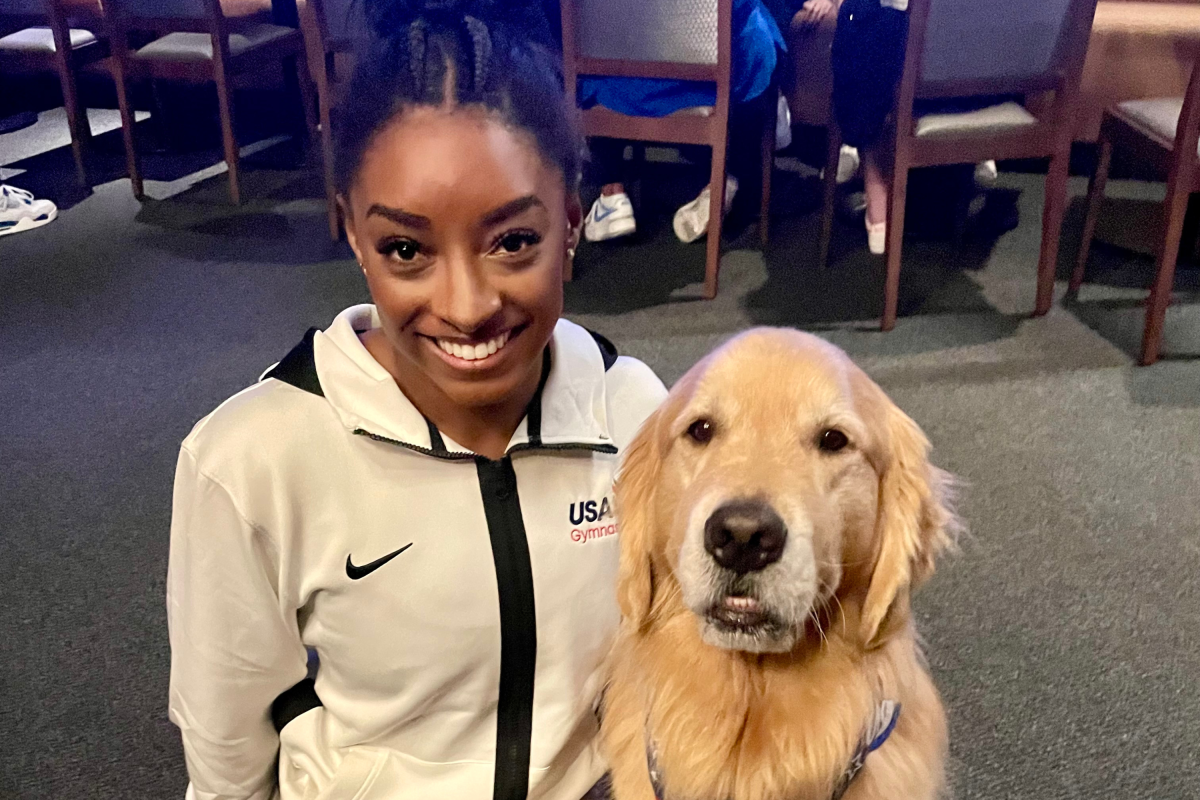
<point>973,47</point>
<point>341,23</point>
<point>163,9</point>
<point>165,16</point>
<point>671,39</point>
<point>24,8</point>
<point>1187,132</point>
<point>681,31</point>
<point>17,14</point>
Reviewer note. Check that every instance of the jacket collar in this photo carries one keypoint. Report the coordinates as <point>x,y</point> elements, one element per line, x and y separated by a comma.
<point>570,410</point>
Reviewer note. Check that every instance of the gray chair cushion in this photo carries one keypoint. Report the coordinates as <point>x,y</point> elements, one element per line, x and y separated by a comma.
<point>198,46</point>
<point>993,119</point>
<point>1157,114</point>
<point>41,40</point>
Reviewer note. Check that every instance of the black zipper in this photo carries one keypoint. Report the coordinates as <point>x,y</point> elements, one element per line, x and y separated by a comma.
<point>518,626</point>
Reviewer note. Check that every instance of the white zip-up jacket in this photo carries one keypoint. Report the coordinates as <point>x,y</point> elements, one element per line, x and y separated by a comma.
<point>460,607</point>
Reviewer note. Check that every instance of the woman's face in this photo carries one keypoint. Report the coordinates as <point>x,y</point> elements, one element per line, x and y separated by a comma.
<point>462,229</point>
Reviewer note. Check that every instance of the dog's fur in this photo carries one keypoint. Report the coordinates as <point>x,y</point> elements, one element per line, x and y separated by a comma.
<point>776,714</point>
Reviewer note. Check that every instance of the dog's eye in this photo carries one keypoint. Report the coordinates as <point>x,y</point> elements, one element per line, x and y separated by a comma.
<point>701,431</point>
<point>832,440</point>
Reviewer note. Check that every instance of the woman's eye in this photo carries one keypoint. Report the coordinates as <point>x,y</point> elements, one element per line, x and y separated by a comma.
<point>515,242</point>
<point>832,440</point>
<point>701,431</point>
<point>400,249</point>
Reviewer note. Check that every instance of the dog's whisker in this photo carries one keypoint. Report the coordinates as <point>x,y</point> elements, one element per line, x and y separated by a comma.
<point>820,630</point>
<point>841,612</point>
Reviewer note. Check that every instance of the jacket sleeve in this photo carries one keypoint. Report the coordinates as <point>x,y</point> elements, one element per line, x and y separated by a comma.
<point>235,645</point>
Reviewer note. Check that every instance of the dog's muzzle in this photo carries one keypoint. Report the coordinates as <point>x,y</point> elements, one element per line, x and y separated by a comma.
<point>746,576</point>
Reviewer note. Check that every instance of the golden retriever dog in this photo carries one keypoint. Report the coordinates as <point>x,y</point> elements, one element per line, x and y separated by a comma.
<point>776,513</point>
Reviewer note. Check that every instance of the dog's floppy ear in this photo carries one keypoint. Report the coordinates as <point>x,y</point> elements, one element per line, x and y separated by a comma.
<point>634,492</point>
<point>914,524</point>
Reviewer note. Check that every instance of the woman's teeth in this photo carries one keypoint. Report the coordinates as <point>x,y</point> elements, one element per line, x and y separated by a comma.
<point>474,352</point>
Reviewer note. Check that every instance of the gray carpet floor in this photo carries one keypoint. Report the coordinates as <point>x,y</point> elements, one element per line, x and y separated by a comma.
<point>1065,635</point>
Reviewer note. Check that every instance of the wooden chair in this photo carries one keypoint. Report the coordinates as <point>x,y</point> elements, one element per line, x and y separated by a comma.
<point>1164,133</point>
<point>331,28</point>
<point>44,35</point>
<point>196,43</point>
<point>671,39</point>
<point>959,49</point>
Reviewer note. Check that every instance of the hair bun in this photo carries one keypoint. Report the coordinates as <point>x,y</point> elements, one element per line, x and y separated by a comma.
<point>391,18</point>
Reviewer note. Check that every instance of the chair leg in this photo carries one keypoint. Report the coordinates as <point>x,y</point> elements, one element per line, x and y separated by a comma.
<point>225,108</point>
<point>768,166</point>
<point>331,206</point>
<point>1164,276</point>
<point>1052,216</point>
<point>298,67</point>
<point>716,188</point>
<point>833,148</point>
<point>897,195</point>
<point>1095,199</point>
<point>127,122</point>
<point>77,120</point>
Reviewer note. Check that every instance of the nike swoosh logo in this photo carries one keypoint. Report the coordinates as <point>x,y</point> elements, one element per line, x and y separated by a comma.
<point>608,212</point>
<point>357,573</point>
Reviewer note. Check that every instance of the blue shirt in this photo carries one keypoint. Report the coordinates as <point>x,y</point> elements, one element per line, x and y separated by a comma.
<point>756,45</point>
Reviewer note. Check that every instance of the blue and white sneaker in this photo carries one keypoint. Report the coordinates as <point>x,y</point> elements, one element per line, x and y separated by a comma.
<point>20,211</point>
<point>611,217</point>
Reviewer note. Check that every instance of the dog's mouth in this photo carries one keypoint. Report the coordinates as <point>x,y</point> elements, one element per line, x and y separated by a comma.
<point>740,613</point>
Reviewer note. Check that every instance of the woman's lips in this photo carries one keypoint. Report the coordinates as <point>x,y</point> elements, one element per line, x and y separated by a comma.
<point>472,355</point>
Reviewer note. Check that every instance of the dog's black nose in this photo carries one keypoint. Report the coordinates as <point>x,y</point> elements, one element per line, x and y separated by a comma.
<point>745,535</point>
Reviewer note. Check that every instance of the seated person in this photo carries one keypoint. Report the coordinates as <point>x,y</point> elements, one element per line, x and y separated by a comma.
<point>756,45</point>
<point>868,60</point>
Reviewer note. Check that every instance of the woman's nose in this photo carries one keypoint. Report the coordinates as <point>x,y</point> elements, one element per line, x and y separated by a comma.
<point>467,299</point>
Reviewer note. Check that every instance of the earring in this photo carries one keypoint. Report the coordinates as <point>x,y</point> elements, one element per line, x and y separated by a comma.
<point>570,253</point>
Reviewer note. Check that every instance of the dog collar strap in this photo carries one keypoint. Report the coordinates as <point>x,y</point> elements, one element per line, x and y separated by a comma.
<point>877,732</point>
<point>880,727</point>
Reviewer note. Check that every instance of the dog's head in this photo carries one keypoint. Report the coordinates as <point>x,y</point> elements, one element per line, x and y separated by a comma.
<point>775,483</point>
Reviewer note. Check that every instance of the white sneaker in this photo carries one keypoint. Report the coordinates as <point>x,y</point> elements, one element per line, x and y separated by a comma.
<point>20,211</point>
<point>691,220</point>
<point>876,236</point>
<point>986,174</point>
<point>611,216</point>
<point>848,162</point>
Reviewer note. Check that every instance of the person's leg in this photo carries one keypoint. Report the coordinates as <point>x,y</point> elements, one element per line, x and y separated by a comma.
<point>875,185</point>
<point>611,215</point>
<point>867,60</point>
<point>744,167</point>
<point>875,181</point>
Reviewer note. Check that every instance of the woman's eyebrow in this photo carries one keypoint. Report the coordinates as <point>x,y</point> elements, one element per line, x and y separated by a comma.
<point>510,209</point>
<point>400,217</point>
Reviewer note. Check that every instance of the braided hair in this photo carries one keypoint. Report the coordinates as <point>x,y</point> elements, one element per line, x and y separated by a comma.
<point>495,54</point>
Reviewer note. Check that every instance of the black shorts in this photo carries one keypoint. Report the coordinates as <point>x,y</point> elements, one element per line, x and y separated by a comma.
<point>868,60</point>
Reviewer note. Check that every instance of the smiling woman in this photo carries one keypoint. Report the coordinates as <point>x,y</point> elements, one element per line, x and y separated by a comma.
<point>398,495</point>
<point>461,228</point>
